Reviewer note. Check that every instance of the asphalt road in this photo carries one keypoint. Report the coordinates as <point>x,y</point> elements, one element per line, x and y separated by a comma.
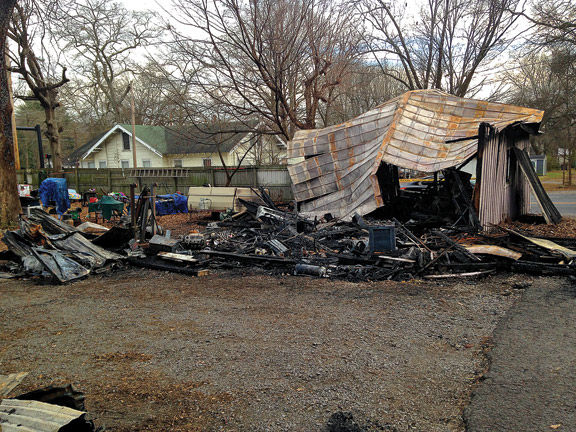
<point>565,202</point>
<point>531,385</point>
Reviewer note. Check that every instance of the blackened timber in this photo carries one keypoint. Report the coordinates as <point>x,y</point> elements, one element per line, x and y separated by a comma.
<point>249,258</point>
<point>551,213</point>
<point>458,247</point>
<point>410,235</point>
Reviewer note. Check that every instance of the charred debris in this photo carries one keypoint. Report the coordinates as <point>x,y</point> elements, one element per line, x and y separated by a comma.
<point>434,235</point>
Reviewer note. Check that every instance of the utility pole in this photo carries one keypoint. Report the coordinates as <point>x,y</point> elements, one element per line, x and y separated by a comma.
<point>133,126</point>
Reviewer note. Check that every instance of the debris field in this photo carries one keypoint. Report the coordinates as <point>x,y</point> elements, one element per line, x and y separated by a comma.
<point>271,239</point>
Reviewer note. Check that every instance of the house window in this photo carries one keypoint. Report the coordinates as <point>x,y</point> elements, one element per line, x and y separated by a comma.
<point>91,165</point>
<point>124,163</point>
<point>102,164</point>
<point>177,163</point>
<point>146,163</point>
<point>207,163</point>
<point>125,141</point>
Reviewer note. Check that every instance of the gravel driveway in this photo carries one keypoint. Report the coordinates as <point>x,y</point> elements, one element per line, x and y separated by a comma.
<point>531,384</point>
<point>160,351</point>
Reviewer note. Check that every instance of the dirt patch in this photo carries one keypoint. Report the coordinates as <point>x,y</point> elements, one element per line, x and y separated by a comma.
<point>161,351</point>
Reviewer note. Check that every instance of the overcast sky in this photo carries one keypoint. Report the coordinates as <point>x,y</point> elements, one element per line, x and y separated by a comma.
<point>412,10</point>
<point>143,4</point>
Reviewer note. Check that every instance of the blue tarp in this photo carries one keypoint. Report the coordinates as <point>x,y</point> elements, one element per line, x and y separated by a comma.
<point>171,204</point>
<point>55,190</point>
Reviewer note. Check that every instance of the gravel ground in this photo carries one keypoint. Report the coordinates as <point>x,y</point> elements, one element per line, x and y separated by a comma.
<point>161,351</point>
<point>531,384</point>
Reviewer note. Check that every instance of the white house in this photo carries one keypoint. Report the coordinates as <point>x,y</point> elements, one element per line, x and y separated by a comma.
<point>163,147</point>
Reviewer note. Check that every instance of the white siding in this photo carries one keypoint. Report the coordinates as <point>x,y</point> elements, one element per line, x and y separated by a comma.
<point>112,151</point>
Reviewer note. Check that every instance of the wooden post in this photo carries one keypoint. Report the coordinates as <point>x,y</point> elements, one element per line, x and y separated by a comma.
<point>77,180</point>
<point>154,186</point>
<point>133,208</point>
<point>134,161</point>
<point>255,176</point>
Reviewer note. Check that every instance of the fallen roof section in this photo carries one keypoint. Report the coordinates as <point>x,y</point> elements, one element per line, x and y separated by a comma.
<point>423,130</point>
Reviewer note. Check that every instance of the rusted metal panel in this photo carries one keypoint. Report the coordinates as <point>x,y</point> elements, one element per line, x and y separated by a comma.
<point>423,130</point>
<point>33,416</point>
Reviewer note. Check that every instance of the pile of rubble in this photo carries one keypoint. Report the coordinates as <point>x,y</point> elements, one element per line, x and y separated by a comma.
<point>372,249</point>
<point>266,238</point>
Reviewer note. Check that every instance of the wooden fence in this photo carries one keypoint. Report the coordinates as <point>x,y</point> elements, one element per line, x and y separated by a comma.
<point>275,179</point>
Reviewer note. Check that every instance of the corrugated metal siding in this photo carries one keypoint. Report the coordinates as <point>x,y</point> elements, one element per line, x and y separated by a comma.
<point>414,131</point>
<point>34,416</point>
<point>9,382</point>
<point>493,191</point>
<point>504,190</point>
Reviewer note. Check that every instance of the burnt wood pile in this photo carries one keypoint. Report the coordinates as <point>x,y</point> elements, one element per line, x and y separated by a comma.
<point>264,238</point>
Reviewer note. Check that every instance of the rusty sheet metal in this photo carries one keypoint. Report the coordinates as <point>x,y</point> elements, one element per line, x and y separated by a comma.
<point>33,416</point>
<point>10,381</point>
<point>548,244</point>
<point>423,130</point>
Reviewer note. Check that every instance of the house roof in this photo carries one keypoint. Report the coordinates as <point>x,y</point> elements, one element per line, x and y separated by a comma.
<point>423,130</point>
<point>165,140</point>
<point>186,140</point>
<point>79,153</point>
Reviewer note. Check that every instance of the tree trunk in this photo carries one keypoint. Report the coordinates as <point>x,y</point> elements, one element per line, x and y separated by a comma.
<point>53,135</point>
<point>9,200</point>
<point>570,167</point>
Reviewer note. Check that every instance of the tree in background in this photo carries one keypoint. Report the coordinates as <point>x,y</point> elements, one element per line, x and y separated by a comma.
<point>366,88</point>
<point>160,99</point>
<point>39,66</point>
<point>9,200</point>
<point>30,113</point>
<point>546,77</point>
<point>276,61</point>
<point>445,46</point>
<point>102,38</point>
<point>555,22</point>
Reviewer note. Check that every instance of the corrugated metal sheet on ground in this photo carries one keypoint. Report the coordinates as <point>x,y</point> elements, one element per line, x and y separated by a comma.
<point>33,416</point>
<point>10,381</point>
<point>415,131</point>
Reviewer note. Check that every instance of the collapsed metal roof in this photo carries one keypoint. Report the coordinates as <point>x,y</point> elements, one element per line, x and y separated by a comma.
<point>423,130</point>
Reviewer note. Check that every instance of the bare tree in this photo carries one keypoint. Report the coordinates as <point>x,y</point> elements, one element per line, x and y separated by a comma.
<point>159,98</point>
<point>366,88</point>
<point>39,68</point>
<point>445,46</point>
<point>103,37</point>
<point>9,201</point>
<point>555,22</point>
<point>547,80</point>
<point>276,61</point>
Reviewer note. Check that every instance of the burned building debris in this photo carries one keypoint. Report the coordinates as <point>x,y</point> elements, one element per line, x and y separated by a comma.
<point>353,167</point>
<point>281,242</point>
<point>351,219</point>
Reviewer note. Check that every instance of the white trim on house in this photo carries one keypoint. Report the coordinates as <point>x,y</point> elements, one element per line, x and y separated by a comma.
<point>240,142</point>
<point>107,134</point>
